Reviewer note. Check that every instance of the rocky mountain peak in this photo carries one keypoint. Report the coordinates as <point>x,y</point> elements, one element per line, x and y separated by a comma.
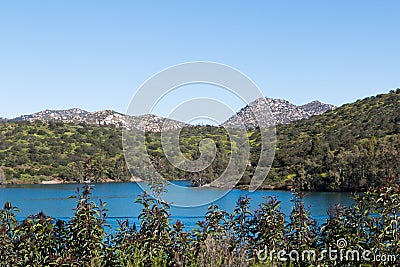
<point>316,108</point>
<point>282,111</point>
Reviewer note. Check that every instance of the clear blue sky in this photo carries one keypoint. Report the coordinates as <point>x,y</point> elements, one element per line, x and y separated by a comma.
<point>95,54</point>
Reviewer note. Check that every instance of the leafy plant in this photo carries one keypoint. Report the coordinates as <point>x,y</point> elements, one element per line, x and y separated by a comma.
<point>242,238</point>
<point>85,239</point>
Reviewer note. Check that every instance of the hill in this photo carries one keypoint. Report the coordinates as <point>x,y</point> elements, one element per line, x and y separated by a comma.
<point>283,112</point>
<point>148,122</point>
<point>351,147</point>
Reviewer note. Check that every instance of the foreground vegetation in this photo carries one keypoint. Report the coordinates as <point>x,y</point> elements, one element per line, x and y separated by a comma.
<point>243,238</point>
<point>349,148</point>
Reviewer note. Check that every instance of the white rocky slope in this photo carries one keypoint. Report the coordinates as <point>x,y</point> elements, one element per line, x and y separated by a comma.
<point>148,122</point>
<point>283,112</point>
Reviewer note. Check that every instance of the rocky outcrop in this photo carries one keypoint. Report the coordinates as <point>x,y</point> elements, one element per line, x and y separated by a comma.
<point>148,122</point>
<point>316,108</point>
<point>68,116</point>
<point>282,111</point>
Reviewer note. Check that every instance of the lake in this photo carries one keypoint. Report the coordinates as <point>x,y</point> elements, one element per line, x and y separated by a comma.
<point>120,197</point>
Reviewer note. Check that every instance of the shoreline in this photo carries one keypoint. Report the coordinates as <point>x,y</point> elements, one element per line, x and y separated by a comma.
<point>138,180</point>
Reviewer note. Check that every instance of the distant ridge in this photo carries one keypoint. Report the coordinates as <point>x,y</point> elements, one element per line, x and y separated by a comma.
<point>68,115</point>
<point>149,122</point>
<point>283,112</point>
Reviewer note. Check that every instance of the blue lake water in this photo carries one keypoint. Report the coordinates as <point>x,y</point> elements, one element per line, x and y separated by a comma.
<point>120,197</point>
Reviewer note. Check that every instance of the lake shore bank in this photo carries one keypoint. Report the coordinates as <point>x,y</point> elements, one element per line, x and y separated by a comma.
<point>138,180</point>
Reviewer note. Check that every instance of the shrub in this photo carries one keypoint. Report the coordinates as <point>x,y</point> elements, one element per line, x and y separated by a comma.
<point>242,238</point>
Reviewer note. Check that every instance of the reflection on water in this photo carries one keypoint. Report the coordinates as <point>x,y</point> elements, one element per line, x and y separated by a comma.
<point>120,197</point>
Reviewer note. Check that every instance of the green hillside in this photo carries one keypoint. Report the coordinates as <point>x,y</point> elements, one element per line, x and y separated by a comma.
<point>32,152</point>
<point>349,148</point>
